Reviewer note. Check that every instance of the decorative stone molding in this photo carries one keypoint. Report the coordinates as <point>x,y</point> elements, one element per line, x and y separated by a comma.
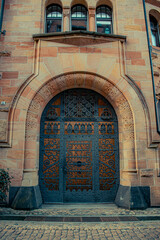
<point>153,2</point>
<point>3,130</point>
<point>81,80</point>
<point>4,126</point>
<point>147,173</point>
<point>5,54</point>
<point>66,11</point>
<point>79,37</point>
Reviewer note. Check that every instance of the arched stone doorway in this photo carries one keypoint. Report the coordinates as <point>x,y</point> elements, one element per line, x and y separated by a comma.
<point>35,100</point>
<point>79,155</point>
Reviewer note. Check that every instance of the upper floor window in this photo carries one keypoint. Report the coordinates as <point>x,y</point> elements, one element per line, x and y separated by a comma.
<point>79,18</point>
<point>53,18</point>
<point>104,19</point>
<point>154,31</point>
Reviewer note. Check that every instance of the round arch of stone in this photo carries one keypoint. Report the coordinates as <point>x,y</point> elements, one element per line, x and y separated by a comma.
<point>80,80</point>
<point>133,121</point>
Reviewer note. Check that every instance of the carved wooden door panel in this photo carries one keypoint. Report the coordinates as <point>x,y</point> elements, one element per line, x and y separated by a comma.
<point>79,159</point>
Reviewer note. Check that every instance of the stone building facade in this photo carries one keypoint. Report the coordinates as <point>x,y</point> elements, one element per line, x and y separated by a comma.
<point>79,101</point>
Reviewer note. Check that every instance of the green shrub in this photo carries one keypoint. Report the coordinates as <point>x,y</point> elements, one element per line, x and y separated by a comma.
<point>5,180</point>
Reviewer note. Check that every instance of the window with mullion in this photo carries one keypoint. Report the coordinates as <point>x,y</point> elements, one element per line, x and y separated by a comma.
<point>53,18</point>
<point>104,19</point>
<point>78,18</point>
<point>154,31</point>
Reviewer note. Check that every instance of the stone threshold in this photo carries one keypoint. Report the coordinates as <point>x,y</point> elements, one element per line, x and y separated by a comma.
<point>79,219</point>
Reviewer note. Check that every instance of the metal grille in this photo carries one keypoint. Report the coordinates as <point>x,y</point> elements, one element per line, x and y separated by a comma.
<point>79,149</point>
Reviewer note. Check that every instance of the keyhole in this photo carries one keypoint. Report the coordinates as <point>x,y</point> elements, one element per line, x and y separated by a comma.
<point>79,164</point>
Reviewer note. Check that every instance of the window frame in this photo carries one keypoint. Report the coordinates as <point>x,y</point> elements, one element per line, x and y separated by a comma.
<point>104,19</point>
<point>72,18</point>
<point>54,18</point>
<point>155,31</point>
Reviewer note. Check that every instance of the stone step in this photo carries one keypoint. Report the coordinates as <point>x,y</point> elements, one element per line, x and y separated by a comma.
<point>78,219</point>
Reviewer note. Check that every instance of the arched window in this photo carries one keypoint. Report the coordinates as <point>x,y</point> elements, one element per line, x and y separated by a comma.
<point>104,19</point>
<point>79,18</point>
<point>53,18</point>
<point>154,31</point>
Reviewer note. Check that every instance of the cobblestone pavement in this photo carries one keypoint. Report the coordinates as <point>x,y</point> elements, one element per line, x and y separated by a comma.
<point>81,210</point>
<point>10,230</point>
<point>83,231</point>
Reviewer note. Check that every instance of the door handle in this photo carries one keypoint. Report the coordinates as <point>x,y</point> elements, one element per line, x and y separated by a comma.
<point>79,164</point>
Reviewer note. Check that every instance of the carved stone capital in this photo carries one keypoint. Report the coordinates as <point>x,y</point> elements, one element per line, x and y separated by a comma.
<point>92,12</point>
<point>66,11</point>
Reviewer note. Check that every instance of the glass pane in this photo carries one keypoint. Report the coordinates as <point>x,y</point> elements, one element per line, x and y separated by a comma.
<point>79,25</point>
<point>153,35</point>
<point>79,12</point>
<point>103,12</point>
<point>154,31</point>
<point>79,18</point>
<point>54,25</point>
<point>104,27</point>
<point>54,11</point>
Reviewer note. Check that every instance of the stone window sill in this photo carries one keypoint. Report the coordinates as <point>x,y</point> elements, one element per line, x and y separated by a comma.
<point>79,38</point>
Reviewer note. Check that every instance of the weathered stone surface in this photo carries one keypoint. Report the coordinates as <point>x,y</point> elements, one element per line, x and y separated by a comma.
<point>3,130</point>
<point>27,198</point>
<point>133,197</point>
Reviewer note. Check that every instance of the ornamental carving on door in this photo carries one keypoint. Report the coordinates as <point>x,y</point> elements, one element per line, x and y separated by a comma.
<point>79,160</point>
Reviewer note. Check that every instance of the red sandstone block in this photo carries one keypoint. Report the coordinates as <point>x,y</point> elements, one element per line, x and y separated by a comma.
<point>26,91</point>
<point>30,145</point>
<point>14,59</point>
<point>15,154</point>
<point>23,48</point>
<point>133,55</point>
<point>132,27</point>
<point>68,50</point>
<point>5,83</point>
<point>30,163</point>
<point>112,51</point>
<point>90,50</point>
<point>3,164</point>
<point>140,62</point>
<point>10,75</point>
<point>9,91</point>
<point>6,99</point>
<point>147,181</point>
<point>37,24</point>
<point>142,164</point>
<point>7,6</point>
<point>48,52</point>
<point>20,6</point>
<point>139,21</point>
<point>13,43</point>
<point>16,115</point>
<point>138,84</point>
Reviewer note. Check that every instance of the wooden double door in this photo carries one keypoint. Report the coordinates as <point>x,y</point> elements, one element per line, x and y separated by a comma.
<point>79,159</point>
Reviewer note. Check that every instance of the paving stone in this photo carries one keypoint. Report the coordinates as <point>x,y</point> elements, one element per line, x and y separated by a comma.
<point>81,210</point>
<point>128,230</point>
<point>82,230</point>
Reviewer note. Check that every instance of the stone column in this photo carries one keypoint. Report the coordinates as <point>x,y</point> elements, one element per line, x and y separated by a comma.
<point>92,15</point>
<point>66,19</point>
